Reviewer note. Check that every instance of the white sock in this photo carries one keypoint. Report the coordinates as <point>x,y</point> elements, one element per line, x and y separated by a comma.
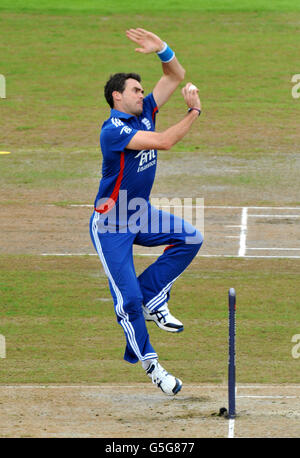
<point>147,363</point>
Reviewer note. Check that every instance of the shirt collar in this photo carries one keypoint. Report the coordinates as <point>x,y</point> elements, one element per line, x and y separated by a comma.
<point>119,114</point>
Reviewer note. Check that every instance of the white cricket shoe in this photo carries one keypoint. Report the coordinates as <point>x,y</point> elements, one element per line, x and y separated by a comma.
<point>163,318</point>
<point>169,384</point>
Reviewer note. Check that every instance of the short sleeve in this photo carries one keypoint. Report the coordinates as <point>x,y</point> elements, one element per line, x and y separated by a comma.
<point>150,106</point>
<point>116,135</point>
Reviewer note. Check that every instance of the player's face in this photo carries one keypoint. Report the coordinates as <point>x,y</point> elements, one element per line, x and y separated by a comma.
<point>132,97</point>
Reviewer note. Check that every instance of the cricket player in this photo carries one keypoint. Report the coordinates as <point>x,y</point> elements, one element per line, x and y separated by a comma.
<point>123,215</point>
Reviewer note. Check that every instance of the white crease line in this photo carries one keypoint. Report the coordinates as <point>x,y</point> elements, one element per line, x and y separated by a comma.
<point>142,385</point>
<point>231,428</point>
<point>196,206</point>
<point>233,256</point>
<point>243,233</point>
<point>276,249</point>
<point>275,208</point>
<point>262,385</point>
<point>268,397</point>
<point>275,216</point>
<point>231,422</point>
<point>69,254</point>
<point>271,257</point>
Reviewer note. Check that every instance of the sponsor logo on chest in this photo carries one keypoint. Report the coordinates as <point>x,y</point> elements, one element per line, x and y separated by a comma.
<point>147,158</point>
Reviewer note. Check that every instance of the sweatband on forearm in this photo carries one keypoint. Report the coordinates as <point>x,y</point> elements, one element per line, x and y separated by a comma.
<point>166,54</point>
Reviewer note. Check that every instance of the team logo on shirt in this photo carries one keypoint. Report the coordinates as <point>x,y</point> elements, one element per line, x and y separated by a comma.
<point>118,123</point>
<point>125,129</point>
<point>147,123</point>
<point>147,159</point>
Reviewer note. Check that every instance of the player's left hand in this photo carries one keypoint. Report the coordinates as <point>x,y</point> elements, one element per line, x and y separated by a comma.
<point>148,41</point>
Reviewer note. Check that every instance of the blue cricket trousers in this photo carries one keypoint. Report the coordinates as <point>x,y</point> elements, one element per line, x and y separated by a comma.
<point>152,288</point>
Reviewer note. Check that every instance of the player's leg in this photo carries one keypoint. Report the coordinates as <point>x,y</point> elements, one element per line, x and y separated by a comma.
<point>115,253</point>
<point>184,242</point>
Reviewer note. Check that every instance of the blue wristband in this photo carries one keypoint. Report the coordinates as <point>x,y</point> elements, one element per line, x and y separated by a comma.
<point>166,54</point>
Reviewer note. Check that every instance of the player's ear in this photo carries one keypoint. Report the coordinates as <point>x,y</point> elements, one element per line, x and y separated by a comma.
<point>116,96</point>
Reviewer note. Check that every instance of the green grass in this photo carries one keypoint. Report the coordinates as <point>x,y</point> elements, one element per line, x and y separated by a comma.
<point>153,6</point>
<point>56,314</point>
<point>242,61</point>
<point>58,320</point>
<point>223,178</point>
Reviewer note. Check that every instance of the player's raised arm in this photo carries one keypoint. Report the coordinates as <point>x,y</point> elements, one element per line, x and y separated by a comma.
<point>173,72</point>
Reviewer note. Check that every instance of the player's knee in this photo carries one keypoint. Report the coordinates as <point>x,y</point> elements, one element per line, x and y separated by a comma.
<point>199,238</point>
<point>195,241</point>
<point>133,305</point>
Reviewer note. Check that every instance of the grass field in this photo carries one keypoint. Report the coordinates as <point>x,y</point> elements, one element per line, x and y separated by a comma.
<point>153,7</point>
<point>58,320</point>
<point>56,313</point>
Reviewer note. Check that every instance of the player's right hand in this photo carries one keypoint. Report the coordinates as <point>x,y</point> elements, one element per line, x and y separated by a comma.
<point>191,97</point>
<point>148,41</point>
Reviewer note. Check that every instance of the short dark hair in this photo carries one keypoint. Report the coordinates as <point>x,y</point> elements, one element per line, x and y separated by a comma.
<point>117,82</point>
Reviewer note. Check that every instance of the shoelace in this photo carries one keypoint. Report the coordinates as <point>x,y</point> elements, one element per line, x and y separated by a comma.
<point>158,374</point>
<point>161,314</point>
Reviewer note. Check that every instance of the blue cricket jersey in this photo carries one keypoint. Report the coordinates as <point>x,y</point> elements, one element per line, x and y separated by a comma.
<point>124,169</point>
